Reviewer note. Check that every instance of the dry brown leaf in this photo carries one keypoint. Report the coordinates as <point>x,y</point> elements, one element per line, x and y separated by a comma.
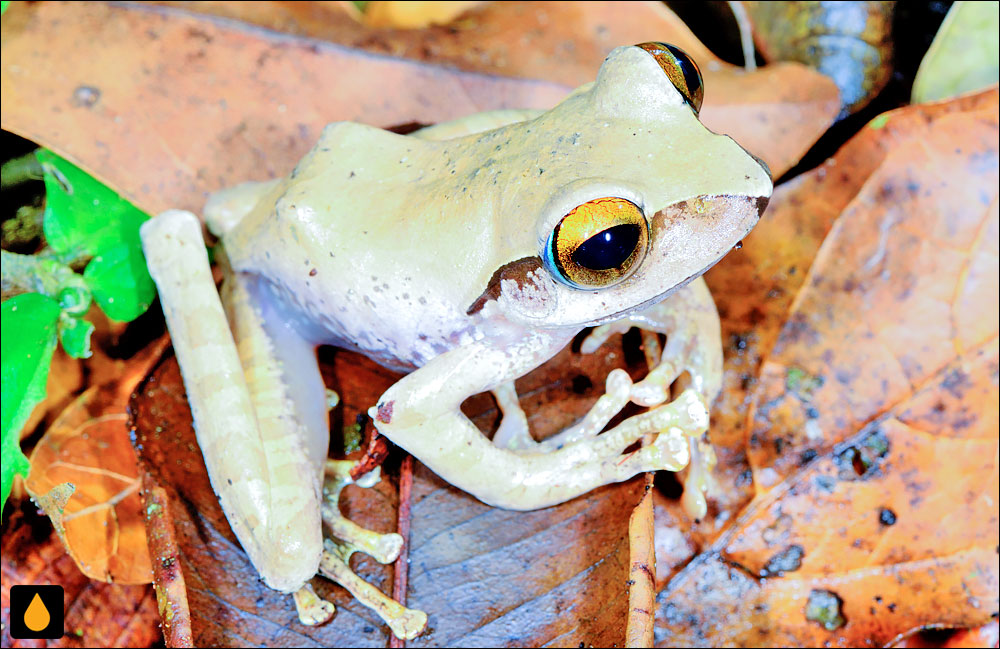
<point>167,107</point>
<point>84,475</point>
<point>97,614</point>
<point>483,575</point>
<point>777,112</point>
<point>874,440</point>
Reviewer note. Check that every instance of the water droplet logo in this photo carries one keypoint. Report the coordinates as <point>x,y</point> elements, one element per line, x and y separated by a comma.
<point>37,616</point>
<point>36,612</point>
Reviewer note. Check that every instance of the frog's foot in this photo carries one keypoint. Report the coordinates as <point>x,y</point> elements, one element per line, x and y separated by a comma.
<point>312,609</point>
<point>346,537</point>
<point>691,324</point>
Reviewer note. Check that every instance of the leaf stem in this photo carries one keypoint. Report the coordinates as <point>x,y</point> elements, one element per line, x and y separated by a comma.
<point>30,273</point>
<point>18,171</point>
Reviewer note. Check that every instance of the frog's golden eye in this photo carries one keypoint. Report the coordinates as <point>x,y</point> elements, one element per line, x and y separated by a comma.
<point>598,243</point>
<point>682,71</point>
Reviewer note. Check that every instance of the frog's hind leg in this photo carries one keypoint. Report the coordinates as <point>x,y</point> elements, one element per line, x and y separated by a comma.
<point>254,470</point>
<point>347,537</point>
<point>288,393</point>
<point>258,403</point>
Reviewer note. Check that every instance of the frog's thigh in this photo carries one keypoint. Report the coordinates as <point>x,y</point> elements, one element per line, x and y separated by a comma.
<point>227,207</point>
<point>250,480</point>
<point>288,398</point>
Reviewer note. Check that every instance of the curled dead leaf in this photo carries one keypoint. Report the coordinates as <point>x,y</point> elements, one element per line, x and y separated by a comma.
<point>777,112</point>
<point>86,453</point>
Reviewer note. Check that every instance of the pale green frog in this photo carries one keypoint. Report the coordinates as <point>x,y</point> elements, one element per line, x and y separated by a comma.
<point>469,253</point>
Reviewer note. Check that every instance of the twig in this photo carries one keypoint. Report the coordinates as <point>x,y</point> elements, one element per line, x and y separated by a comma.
<point>20,170</point>
<point>45,276</point>
<point>746,34</point>
<point>401,567</point>
<point>642,569</point>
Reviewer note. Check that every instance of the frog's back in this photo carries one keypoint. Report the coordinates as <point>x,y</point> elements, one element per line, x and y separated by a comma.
<point>356,240</point>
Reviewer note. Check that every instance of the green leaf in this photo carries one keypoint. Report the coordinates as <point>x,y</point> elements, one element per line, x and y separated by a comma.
<point>120,282</point>
<point>29,338</point>
<point>85,218</point>
<point>965,54</point>
<point>3,8</point>
<point>74,334</point>
<point>82,216</point>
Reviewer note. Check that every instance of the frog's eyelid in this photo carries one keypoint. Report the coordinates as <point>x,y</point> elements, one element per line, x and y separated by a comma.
<point>576,194</point>
<point>681,69</point>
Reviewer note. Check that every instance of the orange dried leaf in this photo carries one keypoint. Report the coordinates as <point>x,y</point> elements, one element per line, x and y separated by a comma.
<point>777,112</point>
<point>183,105</point>
<point>101,524</point>
<point>411,15</point>
<point>873,428</point>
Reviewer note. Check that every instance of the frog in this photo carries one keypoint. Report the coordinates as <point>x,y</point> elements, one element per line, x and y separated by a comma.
<point>466,254</point>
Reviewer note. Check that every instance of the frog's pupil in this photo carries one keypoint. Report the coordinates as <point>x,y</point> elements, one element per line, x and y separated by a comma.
<point>609,248</point>
<point>691,75</point>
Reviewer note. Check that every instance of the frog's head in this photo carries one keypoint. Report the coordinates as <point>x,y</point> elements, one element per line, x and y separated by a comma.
<point>634,197</point>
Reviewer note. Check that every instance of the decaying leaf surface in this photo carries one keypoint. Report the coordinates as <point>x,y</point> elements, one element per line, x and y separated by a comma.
<point>776,112</point>
<point>905,282</point>
<point>873,425</point>
<point>97,614</point>
<point>157,110</point>
<point>483,575</point>
<point>848,41</point>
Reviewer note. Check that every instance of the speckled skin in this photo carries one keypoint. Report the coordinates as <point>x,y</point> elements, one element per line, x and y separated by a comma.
<point>423,252</point>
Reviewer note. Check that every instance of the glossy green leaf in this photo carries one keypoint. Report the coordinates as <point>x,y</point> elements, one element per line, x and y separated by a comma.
<point>83,217</point>
<point>29,338</point>
<point>74,334</point>
<point>965,54</point>
<point>120,282</point>
<point>3,6</point>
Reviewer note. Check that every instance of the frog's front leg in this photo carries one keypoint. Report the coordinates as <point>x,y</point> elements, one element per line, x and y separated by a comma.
<point>691,323</point>
<point>421,413</point>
